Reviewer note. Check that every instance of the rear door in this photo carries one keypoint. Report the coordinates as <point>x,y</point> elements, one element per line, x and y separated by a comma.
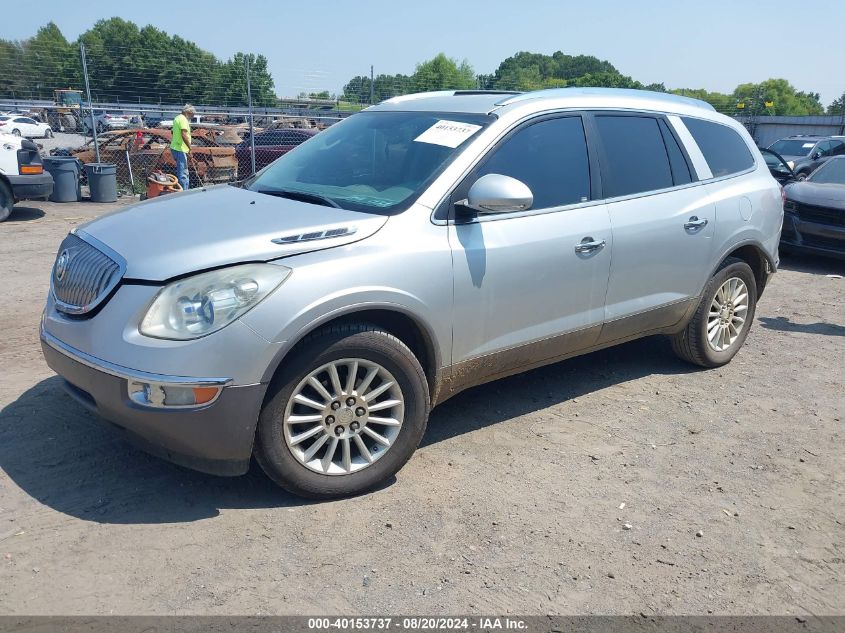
<point>526,288</point>
<point>662,223</point>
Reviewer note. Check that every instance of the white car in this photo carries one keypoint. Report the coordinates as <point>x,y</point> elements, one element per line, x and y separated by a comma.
<point>24,126</point>
<point>22,175</point>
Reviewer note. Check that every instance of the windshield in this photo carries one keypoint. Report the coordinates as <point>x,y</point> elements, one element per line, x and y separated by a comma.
<point>792,147</point>
<point>831,173</point>
<point>377,162</point>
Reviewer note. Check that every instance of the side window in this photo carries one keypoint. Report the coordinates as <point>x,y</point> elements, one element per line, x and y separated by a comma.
<point>824,148</point>
<point>635,158</point>
<point>681,174</point>
<point>838,148</point>
<point>550,157</point>
<point>723,148</point>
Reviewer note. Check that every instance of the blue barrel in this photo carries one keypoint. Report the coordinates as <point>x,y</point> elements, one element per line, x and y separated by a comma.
<point>65,172</point>
<point>102,180</point>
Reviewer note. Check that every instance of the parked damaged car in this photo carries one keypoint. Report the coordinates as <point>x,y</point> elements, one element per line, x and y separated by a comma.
<point>269,145</point>
<point>313,316</point>
<point>148,150</point>
<point>814,211</point>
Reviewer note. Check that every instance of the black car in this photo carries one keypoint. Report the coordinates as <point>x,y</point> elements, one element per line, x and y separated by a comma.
<point>804,154</point>
<point>814,211</point>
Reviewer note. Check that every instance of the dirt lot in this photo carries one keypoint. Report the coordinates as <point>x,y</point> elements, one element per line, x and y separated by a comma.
<point>514,503</point>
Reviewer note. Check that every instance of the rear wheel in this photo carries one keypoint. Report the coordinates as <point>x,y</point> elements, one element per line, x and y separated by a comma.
<point>721,323</point>
<point>48,133</point>
<point>6,201</point>
<point>16,132</point>
<point>346,412</point>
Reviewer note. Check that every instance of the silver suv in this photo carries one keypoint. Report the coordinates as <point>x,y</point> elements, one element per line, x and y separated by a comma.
<point>315,314</point>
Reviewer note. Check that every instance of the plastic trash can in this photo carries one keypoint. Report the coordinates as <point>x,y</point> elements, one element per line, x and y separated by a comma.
<point>102,181</point>
<point>65,172</point>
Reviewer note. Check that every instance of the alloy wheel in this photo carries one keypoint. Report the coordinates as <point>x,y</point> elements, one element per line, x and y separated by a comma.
<point>343,416</point>
<point>727,314</point>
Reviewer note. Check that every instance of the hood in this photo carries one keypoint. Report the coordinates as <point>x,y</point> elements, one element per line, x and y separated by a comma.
<point>817,194</point>
<point>206,228</point>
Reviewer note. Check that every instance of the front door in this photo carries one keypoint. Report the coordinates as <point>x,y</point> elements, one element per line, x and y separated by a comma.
<point>525,287</point>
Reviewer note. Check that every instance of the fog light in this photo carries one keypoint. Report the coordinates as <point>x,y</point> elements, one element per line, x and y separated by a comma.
<point>166,396</point>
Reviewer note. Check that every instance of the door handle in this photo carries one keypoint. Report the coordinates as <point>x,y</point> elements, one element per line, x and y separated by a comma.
<point>695,223</point>
<point>588,245</point>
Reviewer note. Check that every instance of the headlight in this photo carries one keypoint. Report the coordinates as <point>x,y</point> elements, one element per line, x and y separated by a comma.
<point>202,304</point>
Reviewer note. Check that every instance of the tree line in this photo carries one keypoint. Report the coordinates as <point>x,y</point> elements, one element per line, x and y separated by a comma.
<point>533,71</point>
<point>130,64</point>
<point>127,63</point>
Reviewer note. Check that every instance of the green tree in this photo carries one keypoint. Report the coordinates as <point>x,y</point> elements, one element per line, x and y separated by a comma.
<point>443,73</point>
<point>532,71</point>
<point>783,97</point>
<point>838,106</point>
<point>607,79</point>
<point>726,104</point>
<point>357,89</point>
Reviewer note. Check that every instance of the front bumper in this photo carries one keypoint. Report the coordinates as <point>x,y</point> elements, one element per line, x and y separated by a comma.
<point>31,186</point>
<point>216,438</point>
<point>812,237</point>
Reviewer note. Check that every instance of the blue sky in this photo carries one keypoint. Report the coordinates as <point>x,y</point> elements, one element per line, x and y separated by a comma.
<point>715,44</point>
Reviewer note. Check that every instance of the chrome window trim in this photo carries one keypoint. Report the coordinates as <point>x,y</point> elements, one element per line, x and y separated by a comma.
<point>691,147</point>
<point>124,372</point>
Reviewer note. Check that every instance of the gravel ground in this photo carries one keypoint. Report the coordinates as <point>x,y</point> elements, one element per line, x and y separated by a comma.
<point>620,482</point>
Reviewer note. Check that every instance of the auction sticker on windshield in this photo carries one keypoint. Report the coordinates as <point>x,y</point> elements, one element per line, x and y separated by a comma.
<point>448,133</point>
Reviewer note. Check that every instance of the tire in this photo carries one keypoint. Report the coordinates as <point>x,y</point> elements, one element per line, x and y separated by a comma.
<point>16,132</point>
<point>370,347</point>
<point>7,201</point>
<point>693,344</point>
<point>48,133</point>
<point>802,175</point>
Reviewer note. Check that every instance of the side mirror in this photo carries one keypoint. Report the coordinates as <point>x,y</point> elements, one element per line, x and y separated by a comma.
<point>816,155</point>
<point>495,193</point>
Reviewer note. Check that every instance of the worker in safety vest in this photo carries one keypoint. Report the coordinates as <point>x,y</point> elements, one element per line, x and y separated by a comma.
<point>180,145</point>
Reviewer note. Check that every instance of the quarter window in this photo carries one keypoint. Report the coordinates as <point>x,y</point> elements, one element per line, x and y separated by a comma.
<point>550,157</point>
<point>635,158</point>
<point>680,168</point>
<point>723,148</point>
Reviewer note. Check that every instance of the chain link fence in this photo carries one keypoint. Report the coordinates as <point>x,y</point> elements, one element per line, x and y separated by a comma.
<point>114,101</point>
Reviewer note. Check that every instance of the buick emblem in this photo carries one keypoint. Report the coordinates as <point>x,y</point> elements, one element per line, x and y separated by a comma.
<point>61,265</point>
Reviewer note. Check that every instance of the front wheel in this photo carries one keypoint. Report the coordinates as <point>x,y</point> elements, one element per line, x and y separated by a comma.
<point>7,201</point>
<point>721,323</point>
<point>345,413</point>
<point>48,133</point>
<point>16,132</point>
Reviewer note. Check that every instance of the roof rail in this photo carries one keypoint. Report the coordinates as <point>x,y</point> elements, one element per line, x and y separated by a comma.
<point>420,95</point>
<point>459,93</point>
<point>627,92</point>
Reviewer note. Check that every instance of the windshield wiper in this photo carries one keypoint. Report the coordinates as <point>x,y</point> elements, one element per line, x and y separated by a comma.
<point>302,196</point>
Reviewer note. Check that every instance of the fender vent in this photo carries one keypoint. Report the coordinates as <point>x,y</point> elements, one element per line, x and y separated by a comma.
<point>315,235</point>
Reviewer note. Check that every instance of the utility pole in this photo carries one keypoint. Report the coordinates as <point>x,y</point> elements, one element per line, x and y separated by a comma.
<point>251,119</point>
<point>372,85</point>
<point>90,105</point>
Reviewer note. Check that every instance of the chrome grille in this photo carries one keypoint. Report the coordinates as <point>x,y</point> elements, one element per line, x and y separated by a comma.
<point>83,276</point>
